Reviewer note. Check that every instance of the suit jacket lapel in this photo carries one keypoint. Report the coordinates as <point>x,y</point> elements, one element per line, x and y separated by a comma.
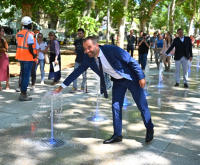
<point>106,55</point>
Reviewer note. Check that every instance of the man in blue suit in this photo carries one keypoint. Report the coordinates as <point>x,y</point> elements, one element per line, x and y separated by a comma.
<point>125,73</point>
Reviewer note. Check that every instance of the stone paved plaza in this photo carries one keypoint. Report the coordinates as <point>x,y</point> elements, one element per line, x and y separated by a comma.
<point>175,113</point>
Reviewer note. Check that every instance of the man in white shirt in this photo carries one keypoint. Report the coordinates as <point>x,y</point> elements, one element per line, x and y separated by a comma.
<point>183,53</point>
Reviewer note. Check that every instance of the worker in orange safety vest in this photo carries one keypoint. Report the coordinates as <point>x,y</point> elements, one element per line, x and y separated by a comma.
<point>26,54</point>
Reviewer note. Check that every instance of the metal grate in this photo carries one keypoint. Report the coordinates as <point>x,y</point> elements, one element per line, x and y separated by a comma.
<point>52,143</point>
<point>96,118</point>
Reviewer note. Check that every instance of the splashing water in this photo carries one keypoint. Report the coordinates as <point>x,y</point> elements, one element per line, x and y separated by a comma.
<point>198,56</point>
<point>55,101</point>
<point>147,68</point>
<point>96,117</point>
<point>160,83</point>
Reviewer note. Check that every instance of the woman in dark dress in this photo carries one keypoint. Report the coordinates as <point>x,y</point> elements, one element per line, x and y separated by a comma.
<point>54,57</point>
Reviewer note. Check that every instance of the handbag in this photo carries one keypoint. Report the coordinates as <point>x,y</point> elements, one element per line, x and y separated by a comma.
<point>46,58</point>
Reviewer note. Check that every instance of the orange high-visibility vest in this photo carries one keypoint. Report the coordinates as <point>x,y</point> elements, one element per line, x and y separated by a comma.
<point>23,52</point>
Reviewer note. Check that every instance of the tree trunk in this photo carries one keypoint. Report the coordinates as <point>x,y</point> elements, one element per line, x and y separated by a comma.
<point>89,9</point>
<point>108,23</point>
<point>192,19</point>
<point>190,26</point>
<point>97,14</point>
<point>54,20</point>
<point>121,27</point>
<point>146,15</point>
<point>197,22</point>
<point>143,25</point>
<point>171,16</point>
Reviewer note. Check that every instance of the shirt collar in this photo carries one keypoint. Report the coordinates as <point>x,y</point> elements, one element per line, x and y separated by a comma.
<point>181,38</point>
<point>100,53</point>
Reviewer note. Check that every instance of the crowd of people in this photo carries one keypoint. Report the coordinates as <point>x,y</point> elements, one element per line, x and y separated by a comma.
<point>163,48</point>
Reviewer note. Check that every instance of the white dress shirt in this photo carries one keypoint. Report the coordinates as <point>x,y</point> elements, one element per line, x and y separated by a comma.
<point>107,68</point>
<point>182,39</point>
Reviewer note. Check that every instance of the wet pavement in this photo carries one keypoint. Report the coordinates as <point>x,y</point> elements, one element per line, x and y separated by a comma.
<point>26,127</point>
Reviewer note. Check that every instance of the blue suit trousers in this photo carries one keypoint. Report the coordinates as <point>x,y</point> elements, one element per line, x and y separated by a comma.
<point>120,87</point>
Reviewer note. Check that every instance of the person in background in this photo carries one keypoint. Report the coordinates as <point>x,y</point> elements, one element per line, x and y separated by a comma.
<point>4,60</point>
<point>42,49</point>
<point>112,39</point>
<point>33,70</point>
<point>166,59</point>
<point>136,40</point>
<point>139,40</point>
<point>198,40</point>
<point>183,53</point>
<point>79,50</point>
<point>130,44</point>
<point>143,50</point>
<point>158,48</point>
<point>175,36</point>
<point>54,57</point>
<point>192,40</point>
<point>152,45</point>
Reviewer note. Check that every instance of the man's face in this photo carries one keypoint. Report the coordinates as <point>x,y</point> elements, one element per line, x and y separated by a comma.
<point>131,32</point>
<point>80,35</point>
<point>155,35</point>
<point>91,49</point>
<point>180,33</point>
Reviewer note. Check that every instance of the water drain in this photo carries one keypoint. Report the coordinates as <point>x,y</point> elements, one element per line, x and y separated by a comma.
<point>96,119</point>
<point>52,143</point>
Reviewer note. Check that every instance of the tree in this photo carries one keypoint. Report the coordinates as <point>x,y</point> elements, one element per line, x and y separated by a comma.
<point>145,10</point>
<point>189,8</point>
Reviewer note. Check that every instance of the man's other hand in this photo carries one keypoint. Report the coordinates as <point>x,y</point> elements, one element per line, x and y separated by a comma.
<point>142,83</point>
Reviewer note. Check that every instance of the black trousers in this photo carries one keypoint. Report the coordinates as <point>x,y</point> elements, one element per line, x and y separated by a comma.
<point>33,74</point>
<point>130,48</point>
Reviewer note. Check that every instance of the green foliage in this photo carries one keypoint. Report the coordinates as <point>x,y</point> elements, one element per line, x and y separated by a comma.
<point>117,11</point>
<point>89,24</point>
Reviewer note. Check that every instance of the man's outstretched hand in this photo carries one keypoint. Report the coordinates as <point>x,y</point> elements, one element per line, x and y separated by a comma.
<point>142,83</point>
<point>59,89</point>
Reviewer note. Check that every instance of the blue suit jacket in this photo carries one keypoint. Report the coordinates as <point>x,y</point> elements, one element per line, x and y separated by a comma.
<point>120,60</point>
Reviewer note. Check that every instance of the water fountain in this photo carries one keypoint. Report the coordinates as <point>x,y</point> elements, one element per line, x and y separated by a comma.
<point>126,102</point>
<point>160,83</point>
<point>147,68</point>
<point>96,117</point>
<point>198,56</point>
<point>54,102</point>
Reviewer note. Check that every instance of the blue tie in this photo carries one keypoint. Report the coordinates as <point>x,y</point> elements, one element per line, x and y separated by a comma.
<point>102,84</point>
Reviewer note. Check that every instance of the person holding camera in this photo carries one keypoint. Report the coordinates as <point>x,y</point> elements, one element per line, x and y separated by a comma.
<point>143,50</point>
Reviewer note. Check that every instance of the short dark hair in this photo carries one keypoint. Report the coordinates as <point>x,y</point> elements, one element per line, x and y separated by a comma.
<point>93,38</point>
<point>144,34</point>
<point>179,29</point>
<point>40,34</point>
<point>81,30</point>
<point>155,33</point>
<point>29,26</point>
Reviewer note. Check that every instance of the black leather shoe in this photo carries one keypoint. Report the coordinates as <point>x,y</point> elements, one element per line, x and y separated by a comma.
<point>149,135</point>
<point>186,85</point>
<point>176,85</point>
<point>113,139</point>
